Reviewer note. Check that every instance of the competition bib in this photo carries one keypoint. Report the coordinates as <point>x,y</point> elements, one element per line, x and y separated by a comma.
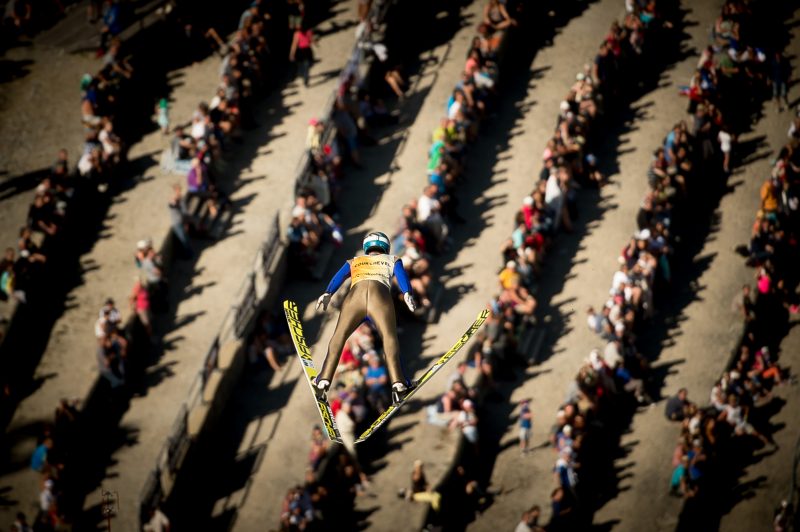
<point>373,268</point>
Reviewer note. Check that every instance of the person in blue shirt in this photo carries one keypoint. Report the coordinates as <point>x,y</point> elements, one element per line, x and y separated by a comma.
<point>525,425</point>
<point>369,297</point>
<point>39,457</point>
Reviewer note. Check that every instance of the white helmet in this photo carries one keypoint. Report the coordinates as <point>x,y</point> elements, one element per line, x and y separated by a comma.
<point>376,241</point>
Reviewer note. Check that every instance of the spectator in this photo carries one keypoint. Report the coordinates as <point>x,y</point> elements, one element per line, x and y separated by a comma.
<point>347,131</point>
<point>21,524</point>
<point>676,406</point>
<point>525,425</point>
<point>301,51</point>
<point>735,416</point>
<point>467,422</point>
<point>140,304</point>
<point>158,522</point>
<point>420,489</point>
<point>110,360</point>
<point>377,380</point>
<point>162,115</point>
<point>39,459</point>
<point>179,220</point>
<point>780,74</point>
<point>47,498</point>
<point>319,447</point>
<point>529,522</point>
<point>347,427</point>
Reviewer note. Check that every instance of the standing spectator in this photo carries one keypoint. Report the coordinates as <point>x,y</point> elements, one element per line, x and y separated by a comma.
<point>178,219</point>
<point>112,23</point>
<point>525,425</point>
<point>150,270</point>
<point>296,11</point>
<point>725,139</point>
<point>780,72</point>
<point>140,304</point>
<point>47,498</point>
<point>301,52</point>
<point>162,115</point>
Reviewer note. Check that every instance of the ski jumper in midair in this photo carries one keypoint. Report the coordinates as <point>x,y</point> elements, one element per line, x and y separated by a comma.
<point>370,296</point>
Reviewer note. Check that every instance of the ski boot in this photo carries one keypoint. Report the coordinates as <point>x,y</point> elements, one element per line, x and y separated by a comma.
<point>321,387</point>
<point>400,391</point>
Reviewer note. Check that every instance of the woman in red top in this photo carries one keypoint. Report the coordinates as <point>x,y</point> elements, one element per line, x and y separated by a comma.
<point>300,52</point>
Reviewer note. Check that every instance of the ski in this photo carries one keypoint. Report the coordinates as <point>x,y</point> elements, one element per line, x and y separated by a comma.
<point>310,371</point>
<point>389,412</point>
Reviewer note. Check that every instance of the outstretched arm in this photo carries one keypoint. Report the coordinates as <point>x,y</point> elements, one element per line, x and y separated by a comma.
<point>402,280</point>
<point>339,278</point>
<point>402,277</point>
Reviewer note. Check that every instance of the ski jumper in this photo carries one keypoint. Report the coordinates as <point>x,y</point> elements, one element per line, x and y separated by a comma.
<point>370,296</point>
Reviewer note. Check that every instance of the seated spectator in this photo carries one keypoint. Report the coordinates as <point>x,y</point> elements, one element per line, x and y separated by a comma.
<point>518,298</point>
<point>111,143</point>
<point>109,318</point>
<point>376,379</point>
<point>420,489</point>
<point>110,361</point>
<point>529,522</point>
<point>676,406</point>
<point>319,447</point>
<point>497,19</point>
<point>467,421</point>
<point>42,216</point>
<point>114,64</point>
<point>736,417</point>
<point>39,459</point>
<point>9,286</point>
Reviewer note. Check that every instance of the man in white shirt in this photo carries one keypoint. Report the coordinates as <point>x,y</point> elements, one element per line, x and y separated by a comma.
<point>428,212</point>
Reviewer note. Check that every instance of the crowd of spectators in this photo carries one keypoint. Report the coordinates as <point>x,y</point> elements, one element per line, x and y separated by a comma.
<point>335,142</point>
<point>361,388</point>
<point>65,190</point>
<point>99,166</point>
<point>616,371</point>
<point>710,434</point>
<point>63,186</point>
<point>692,162</point>
<point>425,222</point>
<point>196,150</point>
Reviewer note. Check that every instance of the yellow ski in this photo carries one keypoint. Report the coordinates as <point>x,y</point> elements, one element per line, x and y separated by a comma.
<point>389,412</point>
<point>304,353</point>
